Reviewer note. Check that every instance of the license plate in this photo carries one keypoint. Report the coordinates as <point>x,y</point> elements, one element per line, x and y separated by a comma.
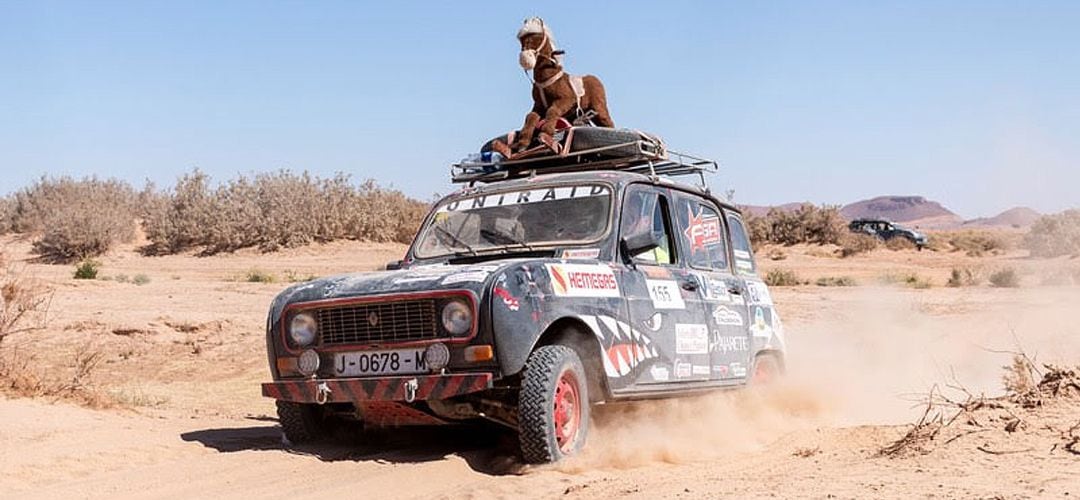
<point>389,362</point>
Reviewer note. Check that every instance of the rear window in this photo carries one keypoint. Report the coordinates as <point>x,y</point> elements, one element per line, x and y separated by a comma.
<point>740,246</point>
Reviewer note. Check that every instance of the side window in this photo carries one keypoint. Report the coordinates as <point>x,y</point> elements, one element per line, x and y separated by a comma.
<point>740,246</point>
<point>645,210</point>
<point>701,234</point>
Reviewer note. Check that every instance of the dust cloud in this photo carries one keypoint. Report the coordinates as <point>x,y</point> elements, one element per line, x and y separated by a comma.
<point>870,358</point>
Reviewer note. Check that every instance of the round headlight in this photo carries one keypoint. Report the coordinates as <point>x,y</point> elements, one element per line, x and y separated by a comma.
<point>436,356</point>
<point>302,329</point>
<point>457,317</point>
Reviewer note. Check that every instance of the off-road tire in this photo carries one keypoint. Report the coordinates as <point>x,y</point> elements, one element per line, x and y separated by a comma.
<point>536,406</point>
<point>302,423</point>
<point>769,363</point>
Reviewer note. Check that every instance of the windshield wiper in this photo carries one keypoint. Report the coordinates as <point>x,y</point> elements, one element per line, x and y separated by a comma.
<point>501,238</point>
<point>454,239</point>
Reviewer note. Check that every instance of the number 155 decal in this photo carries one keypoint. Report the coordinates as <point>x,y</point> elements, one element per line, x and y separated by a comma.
<point>665,294</point>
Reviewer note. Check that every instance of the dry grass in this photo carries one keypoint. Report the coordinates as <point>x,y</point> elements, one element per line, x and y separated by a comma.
<point>836,281</point>
<point>22,375</point>
<point>973,243</point>
<point>24,300</point>
<point>963,277</point>
<point>1005,278</point>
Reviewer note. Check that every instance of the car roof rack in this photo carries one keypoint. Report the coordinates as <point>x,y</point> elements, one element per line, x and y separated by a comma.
<point>647,159</point>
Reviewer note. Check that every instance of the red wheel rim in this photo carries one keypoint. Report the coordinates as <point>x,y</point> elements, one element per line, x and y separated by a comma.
<point>567,411</point>
<point>763,372</point>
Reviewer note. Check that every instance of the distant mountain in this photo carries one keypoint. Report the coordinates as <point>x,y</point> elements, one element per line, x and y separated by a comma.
<point>913,210</point>
<point>1018,217</point>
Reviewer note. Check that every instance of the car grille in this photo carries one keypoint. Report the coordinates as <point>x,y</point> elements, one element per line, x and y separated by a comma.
<point>377,323</point>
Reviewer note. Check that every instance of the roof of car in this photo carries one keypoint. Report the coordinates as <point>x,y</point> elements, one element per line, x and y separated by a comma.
<point>619,178</point>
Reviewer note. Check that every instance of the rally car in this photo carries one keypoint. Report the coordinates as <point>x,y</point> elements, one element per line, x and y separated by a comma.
<point>523,302</point>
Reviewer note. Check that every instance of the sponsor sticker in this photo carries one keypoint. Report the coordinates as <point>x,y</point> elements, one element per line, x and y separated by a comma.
<point>466,277</point>
<point>523,197</point>
<point>759,293</point>
<point>742,254</point>
<point>717,290</point>
<point>700,370</point>
<point>581,253</point>
<point>738,369</point>
<point>508,300</point>
<point>759,327</point>
<point>722,370</point>
<point>683,370</point>
<point>731,344</point>
<point>665,294</point>
<point>691,339</point>
<point>660,373</point>
<point>583,280</point>
<point>702,231</point>
<point>723,315</point>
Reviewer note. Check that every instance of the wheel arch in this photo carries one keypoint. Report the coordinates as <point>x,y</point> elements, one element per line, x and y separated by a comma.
<point>776,354</point>
<point>579,336</point>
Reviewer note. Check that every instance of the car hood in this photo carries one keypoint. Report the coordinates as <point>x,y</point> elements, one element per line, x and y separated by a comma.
<point>473,277</point>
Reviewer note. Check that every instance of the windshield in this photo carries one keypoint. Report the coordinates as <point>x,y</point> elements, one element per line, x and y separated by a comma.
<point>522,219</point>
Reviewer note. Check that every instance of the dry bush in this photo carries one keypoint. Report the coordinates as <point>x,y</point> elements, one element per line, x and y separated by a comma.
<point>277,210</point>
<point>963,276</point>
<point>22,375</point>
<point>910,279</point>
<point>898,244</point>
<point>782,277</point>
<point>836,281</point>
<point>24,301</point>
<point>1055,235</point>
<point>75,219</point>
<point>1005,278</point>
<point>972,242</point>
<point>806,224</point>
<point>7,211</point>
<point>857,243</point>
<point>776,254</point>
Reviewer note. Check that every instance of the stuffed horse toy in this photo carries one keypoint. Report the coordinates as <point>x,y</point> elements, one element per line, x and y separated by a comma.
<point>556,94</point>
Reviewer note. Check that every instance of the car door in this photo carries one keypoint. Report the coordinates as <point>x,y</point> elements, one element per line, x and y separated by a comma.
<point>667,322</point>
<point>704,241</point>
<point>762,321</point>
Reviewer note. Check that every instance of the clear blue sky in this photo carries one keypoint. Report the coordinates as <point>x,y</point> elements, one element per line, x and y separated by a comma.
<point>975,104</point>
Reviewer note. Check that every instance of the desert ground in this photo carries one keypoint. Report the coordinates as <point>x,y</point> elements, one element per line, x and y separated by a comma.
<point>151,390</point>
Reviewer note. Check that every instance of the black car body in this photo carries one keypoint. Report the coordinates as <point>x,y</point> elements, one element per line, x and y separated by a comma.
<point>636,286</point>
<point>887,230</point>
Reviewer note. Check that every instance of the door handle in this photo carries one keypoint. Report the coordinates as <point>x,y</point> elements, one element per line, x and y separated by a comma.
<point>690,285</point>
<point>734,289</point>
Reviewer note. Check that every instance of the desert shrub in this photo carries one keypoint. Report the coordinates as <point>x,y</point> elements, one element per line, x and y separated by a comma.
<point>857,243</point>
<point>7,211</point>
<point>973,243</point>
<point>962,276</point>
<point>806,224</point>
<point>1005,277</point>
<point>835,281</point>
<point>259,276</point>
<point>140,279</point>
<point>776,254</point>
<point>1055,235</point>
<point>277,210</point>
<point>87,269</point>
<point>122,278</point>
<point>75,219</point>
<point>782,277</point>
<point>24,300</point>
<point>898,244</point>
<point>295,276</point>
<point>910,279</point>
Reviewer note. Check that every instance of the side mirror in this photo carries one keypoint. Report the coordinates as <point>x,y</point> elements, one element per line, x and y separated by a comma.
<point>644,241</point>
<point>393,265</point>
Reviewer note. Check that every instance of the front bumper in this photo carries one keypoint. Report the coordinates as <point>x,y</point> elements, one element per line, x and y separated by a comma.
<point>356,390</point>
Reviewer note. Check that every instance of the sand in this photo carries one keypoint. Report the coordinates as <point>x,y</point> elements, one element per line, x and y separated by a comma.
<point>172,409</point>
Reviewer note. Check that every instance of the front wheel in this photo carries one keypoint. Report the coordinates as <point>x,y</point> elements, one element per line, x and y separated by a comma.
<point>302,423</point>
<point>553,408</point>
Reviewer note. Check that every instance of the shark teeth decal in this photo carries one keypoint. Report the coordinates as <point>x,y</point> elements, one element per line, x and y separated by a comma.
<point>629,347</point>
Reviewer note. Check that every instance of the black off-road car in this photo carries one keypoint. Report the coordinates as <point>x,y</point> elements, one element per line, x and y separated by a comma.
<point>886,230</point>
<point>542,287</point>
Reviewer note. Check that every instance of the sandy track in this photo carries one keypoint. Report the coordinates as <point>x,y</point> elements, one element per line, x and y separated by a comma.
<point>183,356</point>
